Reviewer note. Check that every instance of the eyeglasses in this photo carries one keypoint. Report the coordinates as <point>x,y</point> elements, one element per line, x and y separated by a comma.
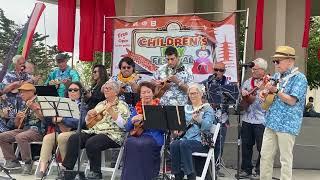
<point>73,90</point>
<point>220,70</point>
<point>126,67</point>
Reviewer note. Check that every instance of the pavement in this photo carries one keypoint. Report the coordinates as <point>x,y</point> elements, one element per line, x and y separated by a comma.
<point>298,174</point>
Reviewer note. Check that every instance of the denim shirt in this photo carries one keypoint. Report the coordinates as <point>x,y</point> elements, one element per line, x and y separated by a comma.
<point>282,117</point>
<point>157,135</point>
<point>208,119</point>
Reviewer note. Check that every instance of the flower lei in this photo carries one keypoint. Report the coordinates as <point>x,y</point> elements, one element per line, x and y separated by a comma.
<point>138,106</point>
<point>127,79</point>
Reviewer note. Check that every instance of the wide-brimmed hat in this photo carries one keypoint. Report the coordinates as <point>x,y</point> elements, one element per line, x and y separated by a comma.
<point>285,52</point>
<point>27,87</point>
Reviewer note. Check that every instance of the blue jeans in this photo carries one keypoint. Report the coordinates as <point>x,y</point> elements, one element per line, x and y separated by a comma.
<point>181,155</point>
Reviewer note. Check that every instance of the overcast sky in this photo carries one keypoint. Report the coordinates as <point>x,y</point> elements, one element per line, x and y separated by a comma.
<point>19,10</point>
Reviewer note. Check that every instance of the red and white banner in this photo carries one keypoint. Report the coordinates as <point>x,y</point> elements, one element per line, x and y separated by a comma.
<point>200,43</point>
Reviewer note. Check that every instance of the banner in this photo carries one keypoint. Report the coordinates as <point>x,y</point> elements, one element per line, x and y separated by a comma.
<point>200,44</point>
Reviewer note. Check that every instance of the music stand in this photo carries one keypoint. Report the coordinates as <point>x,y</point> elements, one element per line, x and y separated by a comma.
<point>166,118</point>
<point>49,90</point>
<point>224,95</point>
<point>57,107</point>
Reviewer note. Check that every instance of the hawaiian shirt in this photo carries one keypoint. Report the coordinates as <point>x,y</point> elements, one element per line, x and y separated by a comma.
<point>207,120</point>
<point>127,87</point>
<point>282,117</point>
<point>68,74</point>
<point>10,100</point>
<point>254,114</point>
<point>108,126</point>
<point>174,95</point>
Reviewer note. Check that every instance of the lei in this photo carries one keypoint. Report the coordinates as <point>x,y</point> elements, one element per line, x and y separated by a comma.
<point>138,106</point>
<point>127,79</point>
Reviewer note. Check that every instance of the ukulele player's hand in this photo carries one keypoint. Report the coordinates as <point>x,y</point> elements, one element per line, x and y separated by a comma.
<point>244,93</point>
<point>174,79</point>
<point>270,88</point>
<point>136,118</point>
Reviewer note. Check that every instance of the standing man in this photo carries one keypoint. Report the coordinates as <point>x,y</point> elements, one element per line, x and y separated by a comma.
<point>61,76</point>
<point>253,119</point>
<point>11,102</point>
<point>172,80</point>
<point>218,78</point>
<point>284,117</point>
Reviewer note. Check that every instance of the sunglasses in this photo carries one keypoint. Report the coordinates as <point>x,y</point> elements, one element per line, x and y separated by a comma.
<point>126,67</point>
<point>73,90</point>
<point>220,70</point>
<point>276,61</point>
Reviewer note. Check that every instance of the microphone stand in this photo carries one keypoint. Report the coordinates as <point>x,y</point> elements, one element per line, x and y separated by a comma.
<point>80,175</point>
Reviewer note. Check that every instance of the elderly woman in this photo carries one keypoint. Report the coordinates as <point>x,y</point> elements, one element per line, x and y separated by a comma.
<point>65,127</point>
<point>199,118</point>
<point>105,125</point>
<point>142,152</point>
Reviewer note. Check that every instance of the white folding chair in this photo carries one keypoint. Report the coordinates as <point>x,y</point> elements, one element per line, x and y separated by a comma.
<point>210,155</point>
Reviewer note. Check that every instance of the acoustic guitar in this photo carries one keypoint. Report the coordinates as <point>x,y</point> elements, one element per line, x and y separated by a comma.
<point>165,84</point>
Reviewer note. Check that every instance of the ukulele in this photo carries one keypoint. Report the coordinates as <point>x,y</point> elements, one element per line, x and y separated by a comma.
<point>165,85</point>
<point>251,96</point>
<point>100,109</point>
<point>25,112</point>
<point>268,96</point>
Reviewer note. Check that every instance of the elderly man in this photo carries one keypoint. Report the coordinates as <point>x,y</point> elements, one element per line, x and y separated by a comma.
<point>62,75</point>
<point>218,78</point>
<point>284,117</point>
<point>253,118</point>
<point>11,101</point>
<point>29,129</point>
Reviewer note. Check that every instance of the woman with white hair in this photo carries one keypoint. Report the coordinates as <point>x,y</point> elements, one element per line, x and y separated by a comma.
<point>105,125</point>
<point>199,118</point>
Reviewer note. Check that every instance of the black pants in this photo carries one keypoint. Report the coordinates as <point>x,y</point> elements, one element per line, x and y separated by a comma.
<point>94,144</point>
<point>251,134</point>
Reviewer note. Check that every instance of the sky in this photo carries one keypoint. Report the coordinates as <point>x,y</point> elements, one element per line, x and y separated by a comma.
<point>19,10</point>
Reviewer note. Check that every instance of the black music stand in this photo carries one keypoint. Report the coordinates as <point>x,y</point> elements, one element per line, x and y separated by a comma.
<point>49,90</point>
<point>6,171</point>
<point>166,118</point>
<point>57,107</point>
<point>224,96</point>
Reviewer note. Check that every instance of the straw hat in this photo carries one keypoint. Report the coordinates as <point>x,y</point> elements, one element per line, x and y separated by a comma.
<point>27,87</point>
<point>284,52</point>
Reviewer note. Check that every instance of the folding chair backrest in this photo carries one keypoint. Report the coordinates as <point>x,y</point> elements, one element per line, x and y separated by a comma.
<point>215,128</point>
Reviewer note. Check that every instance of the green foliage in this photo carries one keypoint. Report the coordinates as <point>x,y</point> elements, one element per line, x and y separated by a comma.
<point>313,65</point>
<point>40,54</point>
<point>85,68</point>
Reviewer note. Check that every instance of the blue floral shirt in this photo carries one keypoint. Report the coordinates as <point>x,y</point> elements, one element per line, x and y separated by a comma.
<point>282,117</point>
<point>174,95</point>
<point>59,75</point>
<point>208,119</point>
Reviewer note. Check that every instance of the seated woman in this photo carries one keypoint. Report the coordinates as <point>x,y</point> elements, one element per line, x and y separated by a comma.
<point>105,125</point>
<point>142,152</point>
<point>199,118</point>
<point>65,127</point>
<point>99,77</point>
